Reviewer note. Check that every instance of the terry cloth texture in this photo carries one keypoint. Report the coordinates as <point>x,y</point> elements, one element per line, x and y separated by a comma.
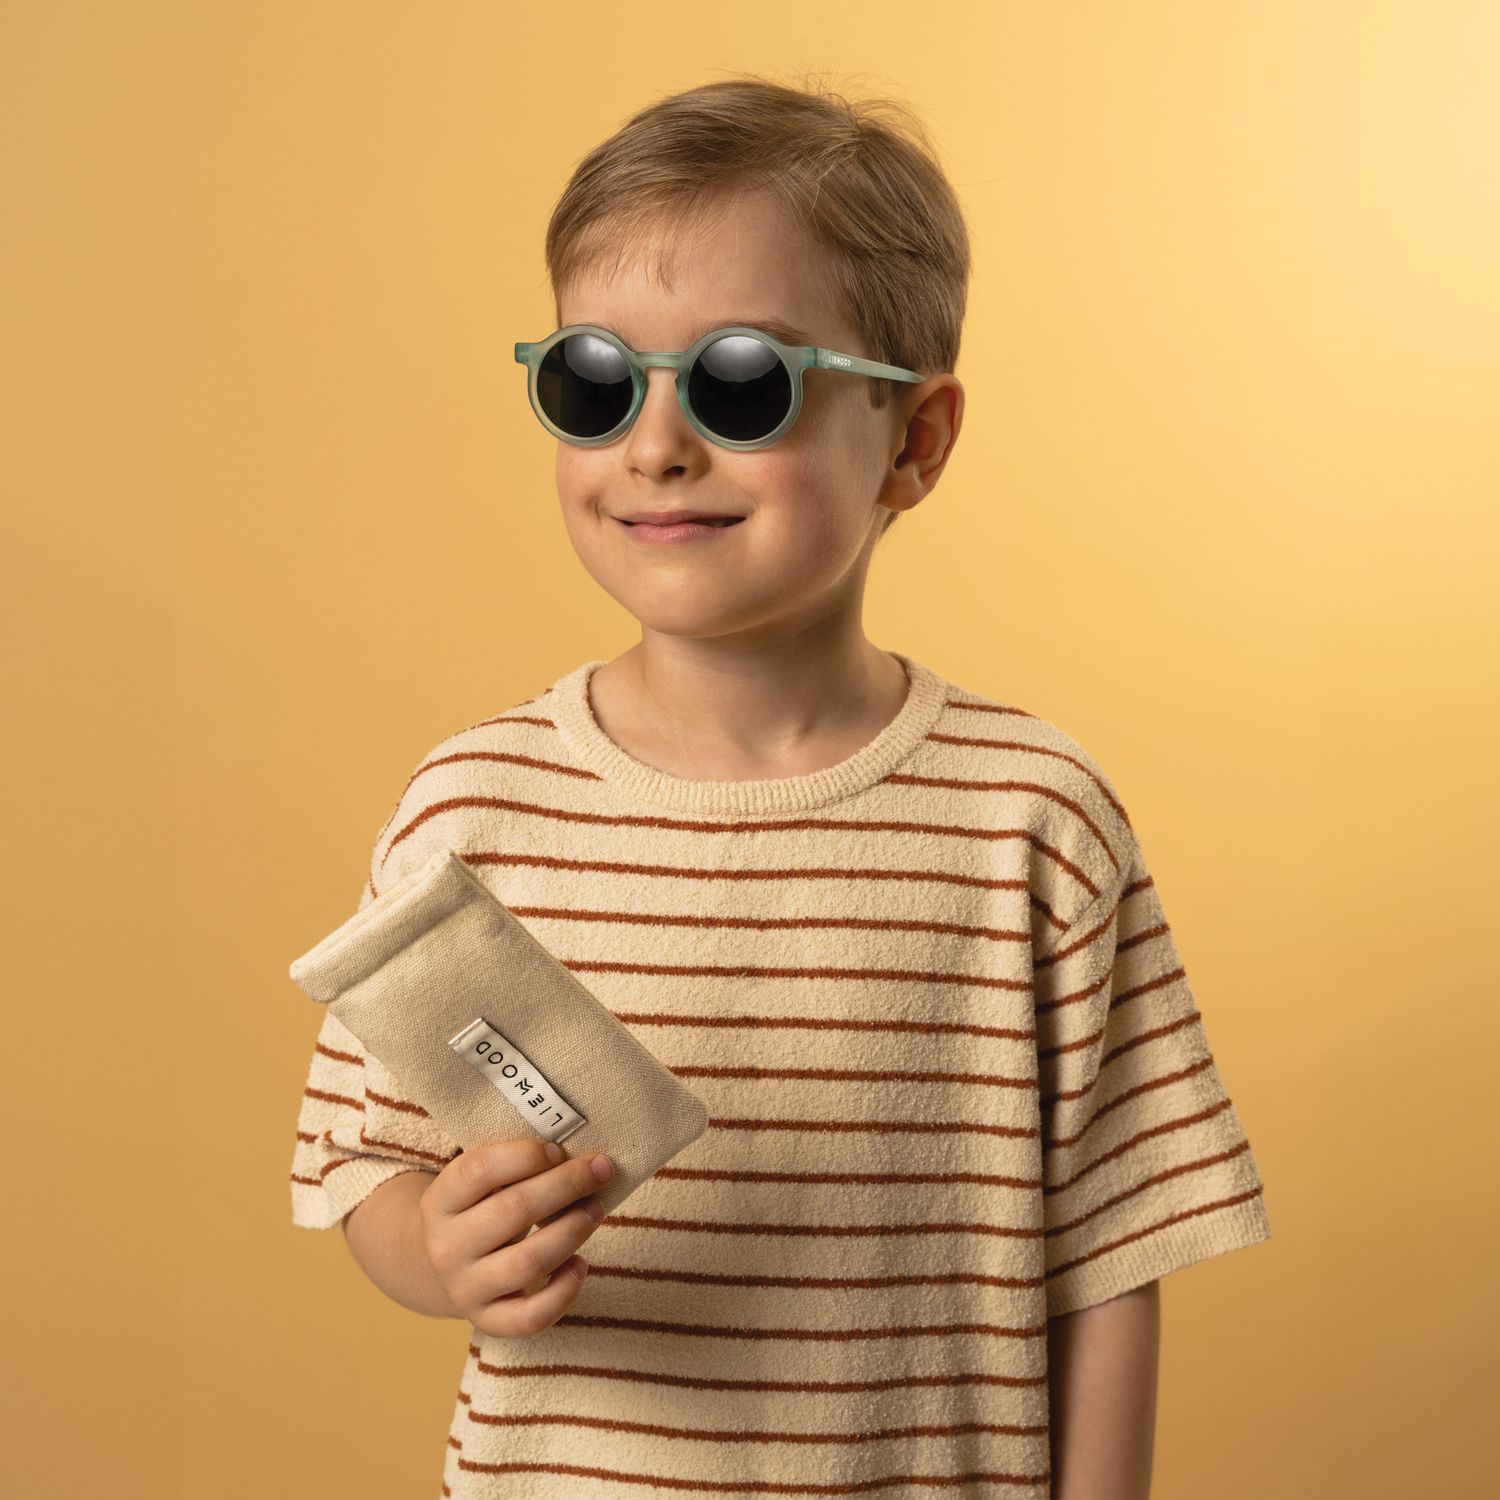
<point>957,1084</point>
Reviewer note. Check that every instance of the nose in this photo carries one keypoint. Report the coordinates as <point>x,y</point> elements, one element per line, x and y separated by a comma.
<point>661,435</point>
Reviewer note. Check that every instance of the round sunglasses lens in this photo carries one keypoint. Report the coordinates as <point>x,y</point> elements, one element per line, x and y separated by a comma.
<point>739,388</point>
<point>584,385</point>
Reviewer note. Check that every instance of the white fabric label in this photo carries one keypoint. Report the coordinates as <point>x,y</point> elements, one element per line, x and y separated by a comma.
<point>518,1079</point>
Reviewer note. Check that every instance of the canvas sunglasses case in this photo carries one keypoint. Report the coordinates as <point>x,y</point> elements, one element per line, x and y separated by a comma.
<point>490,1033</point>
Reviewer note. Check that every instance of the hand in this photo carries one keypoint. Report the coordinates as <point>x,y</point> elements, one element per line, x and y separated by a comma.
<point>477,1215</point>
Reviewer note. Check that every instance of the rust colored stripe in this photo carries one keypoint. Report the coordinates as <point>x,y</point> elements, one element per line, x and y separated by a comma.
<point>987,708</point>
<point>747,825</point>
<point>1182,1122</point>
<point>824,1023</point>
<point>756,1174</point>
<point>1029,749</point>
<point>811,1283</point>
<point>311,1093</point>
<point>762,1435</point>
<point>375,1143</point>
<point>854,1075</point>
<point>753,1486</point>
<point>876,1127</point>
<point>757,1333</point>
<point>755,971</point>
<point>1192,1018</point>
<point>1074,997</point>
<point>405,1105</point>
<point>821,1231</point>
<point>337,1056</point>
<point>770,924</point>
<point>1067,1095</point>
<point>965,784</point>
<point>701,873</point>
<point>508,717</point>
<point>1149,1182</point>
<point>1140,1234</point>
<point>1084,1042</point>
<point>1133,889</point>
<point>508,757</point>
<point>1165,1081</point>
<point>556,1368</point>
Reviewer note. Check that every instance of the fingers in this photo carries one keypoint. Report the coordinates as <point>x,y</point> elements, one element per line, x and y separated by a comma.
<point>502,1225</point>
<point>523,1266</point>
<point>511,1204</point>
<point>471,1177</point>
<point>505,1218</point>
<point>527,1284</point>
<point>520,1315</point>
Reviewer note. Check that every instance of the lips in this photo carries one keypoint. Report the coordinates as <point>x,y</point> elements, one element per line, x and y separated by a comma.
<point>691,521</point>
<point>670,531</point>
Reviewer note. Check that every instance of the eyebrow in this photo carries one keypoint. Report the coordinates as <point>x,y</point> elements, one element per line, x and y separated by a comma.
<point>783,331</point>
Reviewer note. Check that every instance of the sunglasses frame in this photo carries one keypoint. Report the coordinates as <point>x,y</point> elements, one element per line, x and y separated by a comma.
<point>796,359</point>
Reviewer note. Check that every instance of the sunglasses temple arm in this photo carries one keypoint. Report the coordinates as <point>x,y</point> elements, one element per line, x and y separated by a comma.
<point>852,364</point>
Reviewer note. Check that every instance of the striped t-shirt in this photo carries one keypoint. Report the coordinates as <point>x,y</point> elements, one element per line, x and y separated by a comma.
<point>956,1082</point>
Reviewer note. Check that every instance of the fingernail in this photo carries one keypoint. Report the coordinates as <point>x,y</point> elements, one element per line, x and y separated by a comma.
<point>554,1152</point>
<point>602,1168</point>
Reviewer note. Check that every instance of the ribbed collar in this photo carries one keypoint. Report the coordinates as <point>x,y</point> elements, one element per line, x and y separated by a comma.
<point>568,702</point>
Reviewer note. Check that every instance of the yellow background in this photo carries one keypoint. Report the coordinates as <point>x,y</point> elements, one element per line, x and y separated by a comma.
<point>279,519</point>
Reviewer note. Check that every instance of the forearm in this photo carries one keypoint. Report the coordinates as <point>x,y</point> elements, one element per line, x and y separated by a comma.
<point>1101,1374</point>
<point>385,1237</point>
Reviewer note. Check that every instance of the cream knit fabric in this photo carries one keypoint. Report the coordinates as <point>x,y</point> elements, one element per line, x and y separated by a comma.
<point>956,1079</point>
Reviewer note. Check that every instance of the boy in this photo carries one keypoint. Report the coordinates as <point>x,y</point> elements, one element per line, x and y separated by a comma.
<point>900,937</point>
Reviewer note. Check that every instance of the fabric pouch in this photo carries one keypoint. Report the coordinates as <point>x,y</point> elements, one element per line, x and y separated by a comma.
<point>489,1033</point>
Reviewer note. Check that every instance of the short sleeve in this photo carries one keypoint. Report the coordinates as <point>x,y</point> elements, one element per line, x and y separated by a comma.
<point>356,1128</point>
<point>1146,1169</point>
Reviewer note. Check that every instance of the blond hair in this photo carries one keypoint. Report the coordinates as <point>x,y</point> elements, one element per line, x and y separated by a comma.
<point>861,176</point>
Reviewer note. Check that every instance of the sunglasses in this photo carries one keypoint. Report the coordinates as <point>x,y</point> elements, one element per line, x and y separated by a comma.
<point>743,388</point>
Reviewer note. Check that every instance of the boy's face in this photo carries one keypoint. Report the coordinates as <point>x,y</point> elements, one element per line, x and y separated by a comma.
<point>811,502</point>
